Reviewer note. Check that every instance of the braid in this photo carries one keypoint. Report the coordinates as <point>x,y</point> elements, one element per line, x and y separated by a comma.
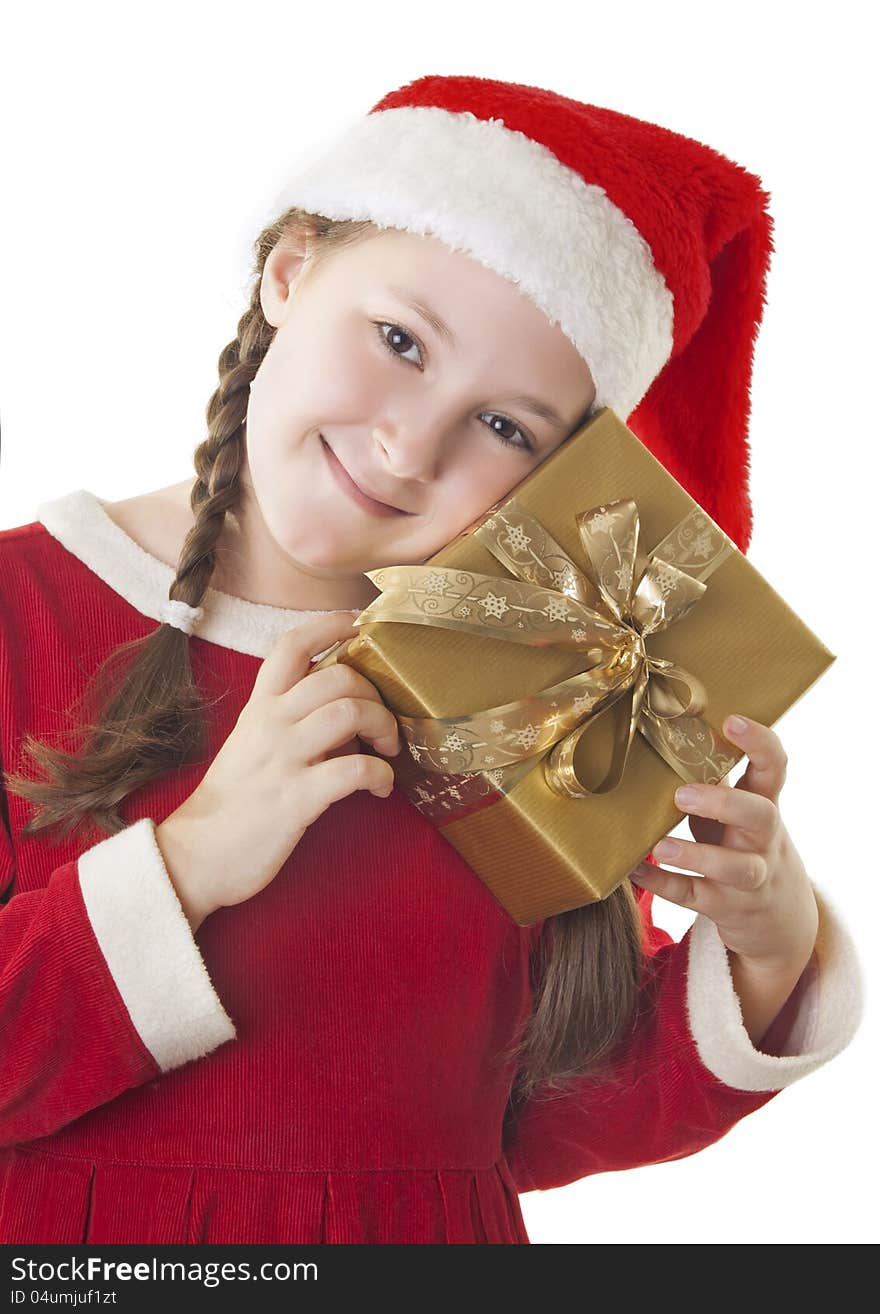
<point>142,713</point>
<point>218,461</point>
<point>149,719</point>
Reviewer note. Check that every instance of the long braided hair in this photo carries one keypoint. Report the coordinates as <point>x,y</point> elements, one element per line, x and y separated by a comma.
<point>142,715</point>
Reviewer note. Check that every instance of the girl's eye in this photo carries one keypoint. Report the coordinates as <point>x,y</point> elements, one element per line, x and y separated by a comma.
<point>397,333</point>
<point>524,446</point>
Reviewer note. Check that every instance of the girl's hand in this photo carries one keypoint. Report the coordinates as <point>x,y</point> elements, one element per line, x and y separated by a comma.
<point>753,884</point>
<point>293,751</point>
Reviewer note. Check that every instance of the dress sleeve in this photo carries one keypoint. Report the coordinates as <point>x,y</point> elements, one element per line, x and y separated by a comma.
<point>689,1071</point>
<point>102,985</point>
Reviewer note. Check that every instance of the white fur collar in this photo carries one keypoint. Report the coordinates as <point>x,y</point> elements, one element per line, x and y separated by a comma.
<point>79,522</point>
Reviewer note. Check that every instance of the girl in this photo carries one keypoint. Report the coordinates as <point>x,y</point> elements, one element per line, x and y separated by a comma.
<point>262,999</point>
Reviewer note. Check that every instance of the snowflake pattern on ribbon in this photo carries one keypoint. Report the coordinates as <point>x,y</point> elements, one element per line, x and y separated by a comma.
<point>465,759</point>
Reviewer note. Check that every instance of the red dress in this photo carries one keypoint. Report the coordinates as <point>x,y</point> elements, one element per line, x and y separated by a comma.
<point>315,1064</point>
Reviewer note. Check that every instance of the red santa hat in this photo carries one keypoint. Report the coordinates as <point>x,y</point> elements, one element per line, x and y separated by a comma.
<point>648,249</point>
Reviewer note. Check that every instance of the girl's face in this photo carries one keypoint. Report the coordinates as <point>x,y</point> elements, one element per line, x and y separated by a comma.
<point>437,425</point>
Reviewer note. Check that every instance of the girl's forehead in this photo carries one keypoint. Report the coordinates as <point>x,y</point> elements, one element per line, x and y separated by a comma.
<point>390,250</point>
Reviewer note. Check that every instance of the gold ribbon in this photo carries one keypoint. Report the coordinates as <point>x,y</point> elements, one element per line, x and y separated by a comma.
<point>605,611</point>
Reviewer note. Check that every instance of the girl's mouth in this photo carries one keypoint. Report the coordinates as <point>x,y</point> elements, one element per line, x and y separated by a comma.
<point>347,484</point>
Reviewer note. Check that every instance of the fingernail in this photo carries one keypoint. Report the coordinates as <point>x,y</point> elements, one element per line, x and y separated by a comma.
<point>667,850</point>
<point>736,725</point>
<point>687,795</point>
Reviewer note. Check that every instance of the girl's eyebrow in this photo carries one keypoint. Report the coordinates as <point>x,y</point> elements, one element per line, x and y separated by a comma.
<point>440,327</point>
<point>437,324</point>
<point>539,408</point>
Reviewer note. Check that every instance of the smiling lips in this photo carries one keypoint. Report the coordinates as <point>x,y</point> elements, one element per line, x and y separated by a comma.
<point>347,484</point>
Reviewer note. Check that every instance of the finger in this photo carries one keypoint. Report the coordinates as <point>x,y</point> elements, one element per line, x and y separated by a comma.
<point>340,682</point>
<point>288,659</point>
<point>686,891</point>
<point>768,761</point>
<point>752,815</point>
<point>706,829</point>
<point>339,725</point>
<point>738,868</point>
<point>356,774</point>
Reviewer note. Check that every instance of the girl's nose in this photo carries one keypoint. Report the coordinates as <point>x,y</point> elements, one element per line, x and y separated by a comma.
<point>411,455</point>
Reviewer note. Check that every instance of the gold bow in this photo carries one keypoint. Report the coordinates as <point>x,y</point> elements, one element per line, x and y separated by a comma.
<point>601,611</point>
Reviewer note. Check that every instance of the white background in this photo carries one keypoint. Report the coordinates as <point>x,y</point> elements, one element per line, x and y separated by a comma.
<point>142,152</point>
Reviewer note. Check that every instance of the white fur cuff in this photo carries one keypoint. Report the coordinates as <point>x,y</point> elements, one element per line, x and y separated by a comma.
<point>828,1014</point>
<point>148,943</point>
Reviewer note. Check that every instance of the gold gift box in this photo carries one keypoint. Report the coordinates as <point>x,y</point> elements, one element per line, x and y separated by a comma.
<point>538,852</point>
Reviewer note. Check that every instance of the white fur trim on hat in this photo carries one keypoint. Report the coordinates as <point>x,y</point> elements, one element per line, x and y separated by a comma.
<point>509,203</point>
